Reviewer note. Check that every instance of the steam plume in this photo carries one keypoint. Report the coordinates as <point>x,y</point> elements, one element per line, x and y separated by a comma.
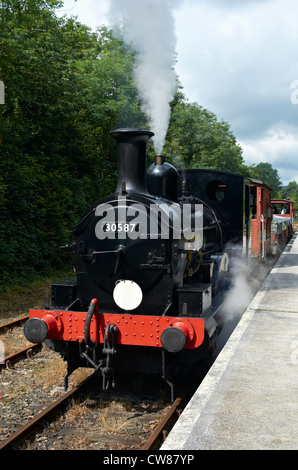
<point>246,278</point>
<point>149,28</point>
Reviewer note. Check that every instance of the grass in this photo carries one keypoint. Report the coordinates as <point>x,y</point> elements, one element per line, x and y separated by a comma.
<point>16,300</point>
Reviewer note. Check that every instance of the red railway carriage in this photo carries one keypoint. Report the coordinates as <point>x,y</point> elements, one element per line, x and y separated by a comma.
<point>285,208</point>
<point>279,233</point>
<point>261,217</point>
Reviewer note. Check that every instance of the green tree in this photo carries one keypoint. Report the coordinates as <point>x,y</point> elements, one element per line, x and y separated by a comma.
<point>266,173</point>
<point>196,139</point>
<point>65,90</point>
<point>291,192</point>
<point>110,100</point>
<point>37,51</point>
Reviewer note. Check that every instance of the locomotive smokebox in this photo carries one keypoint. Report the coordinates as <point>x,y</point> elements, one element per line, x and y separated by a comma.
<point>131,159</point>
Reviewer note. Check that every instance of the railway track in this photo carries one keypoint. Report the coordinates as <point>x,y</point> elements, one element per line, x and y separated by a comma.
<point>167,422</point>
<point>22,353</point>
<point>12,442</point>
<point>13,323</point>
<point>37,423</point>
<point>48,413</point>
<point>8,361</point>
<point>153,442</point>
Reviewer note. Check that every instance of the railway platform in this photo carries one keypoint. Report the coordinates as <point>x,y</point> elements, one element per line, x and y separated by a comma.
<point>249,398</point>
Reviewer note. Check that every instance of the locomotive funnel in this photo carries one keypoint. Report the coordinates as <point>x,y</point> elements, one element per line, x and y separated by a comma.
<point>131,159</point>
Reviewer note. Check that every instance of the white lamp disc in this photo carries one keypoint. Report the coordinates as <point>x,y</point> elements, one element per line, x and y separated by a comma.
<point>127,295</point>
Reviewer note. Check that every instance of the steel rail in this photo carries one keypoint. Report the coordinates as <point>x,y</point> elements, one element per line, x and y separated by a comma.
<point>160,433</point>
<point>25,431</point>
<point>23,353</point>
<point>13,323</point>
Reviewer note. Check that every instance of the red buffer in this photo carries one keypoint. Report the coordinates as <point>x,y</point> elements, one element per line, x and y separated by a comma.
<point>137,330</point>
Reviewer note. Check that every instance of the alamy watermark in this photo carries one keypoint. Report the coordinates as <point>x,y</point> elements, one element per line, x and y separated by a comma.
<point>153,221</point>
<point>2,352</point>
<point>2,93</point>
<point>294,94</point>
<point>294,355</point>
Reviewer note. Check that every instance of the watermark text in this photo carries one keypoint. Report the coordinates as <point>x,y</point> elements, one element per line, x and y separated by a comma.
<point>154,221</point>
<point>294,94</point>
<point>2,352</point>
<point>294,355</point>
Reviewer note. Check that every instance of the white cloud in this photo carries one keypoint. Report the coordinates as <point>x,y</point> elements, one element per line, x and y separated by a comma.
<point>277,146</point>
<point>92,13</point>
<point>238,59</point>
<point>229,57</point>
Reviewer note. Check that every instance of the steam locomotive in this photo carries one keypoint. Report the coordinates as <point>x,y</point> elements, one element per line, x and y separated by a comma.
<point>152,263</point>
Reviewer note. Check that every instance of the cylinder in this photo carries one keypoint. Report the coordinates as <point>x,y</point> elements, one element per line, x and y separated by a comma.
<point>131,149</point>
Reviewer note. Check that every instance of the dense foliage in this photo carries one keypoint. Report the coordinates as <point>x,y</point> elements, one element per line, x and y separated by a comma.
<point>265,172</point>
<point>291,192</point>
<point>66,88</point>
<point>196,139</point>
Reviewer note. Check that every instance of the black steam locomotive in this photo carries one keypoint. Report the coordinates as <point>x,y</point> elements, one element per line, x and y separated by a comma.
<point>151,262</point>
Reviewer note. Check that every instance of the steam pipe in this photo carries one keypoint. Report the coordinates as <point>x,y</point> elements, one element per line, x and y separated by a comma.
<point>91,310</point>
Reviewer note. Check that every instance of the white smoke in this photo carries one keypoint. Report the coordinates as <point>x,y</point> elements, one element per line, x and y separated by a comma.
<point>150,29</point>
<point>246,275</point>
<point>245,278</point>
<point>242,288</point>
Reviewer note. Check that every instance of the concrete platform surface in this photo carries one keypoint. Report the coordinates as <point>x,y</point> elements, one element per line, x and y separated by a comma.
<point>249,398</point>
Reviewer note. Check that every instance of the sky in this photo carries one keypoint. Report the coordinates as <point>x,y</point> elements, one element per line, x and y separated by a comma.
<point>239,60</point>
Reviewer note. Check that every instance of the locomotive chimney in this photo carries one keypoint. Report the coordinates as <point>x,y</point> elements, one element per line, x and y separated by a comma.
<point>131,159</point>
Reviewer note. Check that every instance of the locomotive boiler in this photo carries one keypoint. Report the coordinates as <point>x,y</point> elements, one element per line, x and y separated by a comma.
<point>151,260</point>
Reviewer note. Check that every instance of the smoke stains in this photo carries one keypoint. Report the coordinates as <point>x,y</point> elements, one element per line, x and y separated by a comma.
<point>149,27</point>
